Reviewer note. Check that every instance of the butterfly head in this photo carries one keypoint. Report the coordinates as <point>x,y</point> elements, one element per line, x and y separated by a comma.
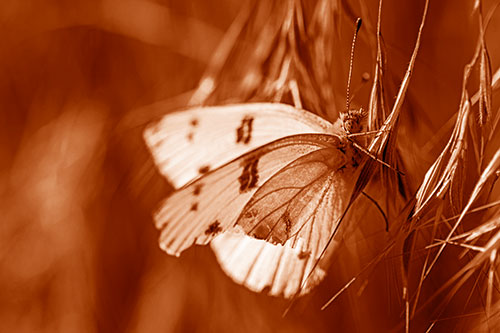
<point>352,121</point>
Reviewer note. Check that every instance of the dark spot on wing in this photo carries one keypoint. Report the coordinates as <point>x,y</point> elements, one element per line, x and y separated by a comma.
<point>288,224</point>
<point>190,137</point>
<point>250,175</point>
<point>280,232</point>
<point>250,214</point>
<point>261,232</point>
<point>304,255</point>
<point>194,122</point>
<point>197,189</point>
<point>244,132</point>
<point>213,228</point>
<point>275,231</point>
<point>204,169</point>
<point>194,207</point>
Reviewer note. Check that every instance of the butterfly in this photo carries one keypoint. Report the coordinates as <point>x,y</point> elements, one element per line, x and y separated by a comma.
<point>266,184</point>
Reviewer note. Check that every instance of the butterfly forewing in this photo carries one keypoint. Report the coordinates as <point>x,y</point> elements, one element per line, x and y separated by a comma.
<point>187,144</point>
<point>210,205</point>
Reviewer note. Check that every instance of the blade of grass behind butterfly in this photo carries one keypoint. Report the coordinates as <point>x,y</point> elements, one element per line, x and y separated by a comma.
<point>285,69</point>
<point>458,278</point>
<point>445,165</point>
<point>296,68</point>
<point>482,129</point>
<point>443,131</point>
<point>220,56</point>
<point>442,175</point>
<point>385,142</point>
<point>279,59</point>
<point>436,178</point>
<point>486,256</point>
<point>377,106</point>
<point>251,55</point>
<point>379,142</point>
<point>484,228</point>
<point>263,60</point>
<point>366,269</point>
<point>485,182</point>
<point>484,75</point>
<point>495,84</point>
<point>270,66</point>
<point>377,113</point>
<point>393,285</point>
<point>484,112</point>
<point>260,40</point>
<point>323,38</point>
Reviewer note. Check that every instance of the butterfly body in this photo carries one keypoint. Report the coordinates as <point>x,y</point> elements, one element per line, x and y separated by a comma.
<point>352,121</point>
<point>270,203</point>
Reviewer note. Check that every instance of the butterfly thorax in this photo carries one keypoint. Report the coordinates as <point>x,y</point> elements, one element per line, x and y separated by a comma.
<point>350,122</point>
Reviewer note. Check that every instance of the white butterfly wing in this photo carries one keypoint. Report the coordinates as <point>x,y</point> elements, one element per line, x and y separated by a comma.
<point>291,217</point>
<point>188,143</point>
<point>211,204</point>
<point>262,266</point>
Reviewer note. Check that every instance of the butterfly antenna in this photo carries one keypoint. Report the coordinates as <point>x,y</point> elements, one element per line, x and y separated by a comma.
<point>348,98</point>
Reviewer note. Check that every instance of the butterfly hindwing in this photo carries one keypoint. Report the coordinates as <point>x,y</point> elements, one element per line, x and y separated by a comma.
<point>291,217</point>
<point>261,266</point>
<point>210,205</point>
<point>187,144</point>
<point>278,209</point>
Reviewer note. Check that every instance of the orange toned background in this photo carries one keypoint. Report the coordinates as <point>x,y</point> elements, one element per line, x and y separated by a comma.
<point>78,249</point>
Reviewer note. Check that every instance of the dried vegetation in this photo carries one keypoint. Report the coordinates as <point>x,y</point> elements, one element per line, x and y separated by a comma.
<point>78,251</point>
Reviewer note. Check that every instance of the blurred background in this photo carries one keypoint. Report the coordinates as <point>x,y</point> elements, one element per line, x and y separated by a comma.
<point>78,248</point>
